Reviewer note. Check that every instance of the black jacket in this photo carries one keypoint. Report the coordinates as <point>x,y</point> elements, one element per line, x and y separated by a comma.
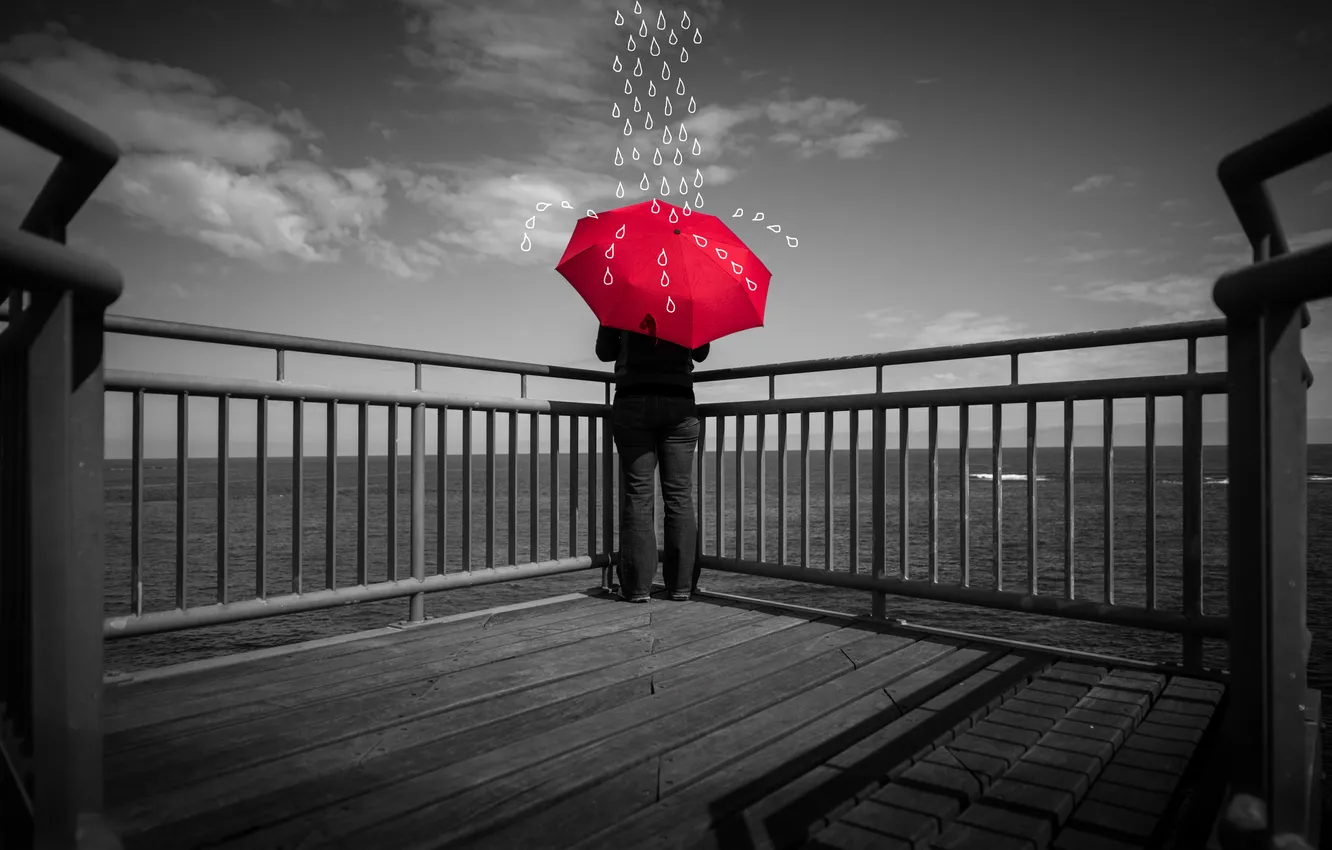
<point>647,365</point>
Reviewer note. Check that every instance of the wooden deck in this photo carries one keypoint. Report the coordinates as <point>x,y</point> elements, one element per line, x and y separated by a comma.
<point>595,723</point>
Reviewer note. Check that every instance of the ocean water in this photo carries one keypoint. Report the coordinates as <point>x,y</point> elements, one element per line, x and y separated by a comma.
<point>1129,521</point>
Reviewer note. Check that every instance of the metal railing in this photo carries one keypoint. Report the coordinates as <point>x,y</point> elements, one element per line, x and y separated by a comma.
<point>1189,621</point>
<point>51,547</point>
<point>1275,777</point>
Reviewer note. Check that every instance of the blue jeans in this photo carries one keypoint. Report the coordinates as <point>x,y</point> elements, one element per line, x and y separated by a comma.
<point>651,430</point>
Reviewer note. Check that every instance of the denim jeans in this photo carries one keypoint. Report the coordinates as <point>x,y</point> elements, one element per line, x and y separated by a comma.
<point>651,430</point>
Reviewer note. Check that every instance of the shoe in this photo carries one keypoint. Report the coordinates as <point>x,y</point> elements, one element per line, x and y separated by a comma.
<point>636,599</point>
<point>679,596</point>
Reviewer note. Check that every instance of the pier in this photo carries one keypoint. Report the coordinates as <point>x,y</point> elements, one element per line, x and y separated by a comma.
<point>579,721</point>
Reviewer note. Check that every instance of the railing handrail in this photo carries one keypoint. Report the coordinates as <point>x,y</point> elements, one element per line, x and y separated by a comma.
<point>49,267</point>
<point>970,351</point>
<point>1289,278</point>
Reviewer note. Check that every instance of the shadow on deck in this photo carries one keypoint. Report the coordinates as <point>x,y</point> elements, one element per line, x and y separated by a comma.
<point>583,721</point>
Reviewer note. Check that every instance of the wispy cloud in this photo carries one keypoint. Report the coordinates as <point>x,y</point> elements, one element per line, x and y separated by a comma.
<point>816,124</point>
<point>203,164</point>
<point>1321,188</point>
<point>1096,181</point>
<point>908,329</point>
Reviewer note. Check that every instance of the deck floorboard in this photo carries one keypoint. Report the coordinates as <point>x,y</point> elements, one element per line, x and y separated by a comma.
<point>593,723</point>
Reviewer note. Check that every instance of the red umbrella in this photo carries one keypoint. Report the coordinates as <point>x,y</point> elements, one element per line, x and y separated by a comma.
<point>671,272</point>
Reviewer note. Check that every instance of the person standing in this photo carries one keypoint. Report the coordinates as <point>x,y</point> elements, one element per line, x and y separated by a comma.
<point>655,423</point>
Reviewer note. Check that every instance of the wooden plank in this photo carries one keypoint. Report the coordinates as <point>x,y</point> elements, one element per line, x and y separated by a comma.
<point>779,790</point>
<point>245,799</point>
<point>967,837</point>
<point>348,674</point>
<point>620,741</point>
<point>370,801</point>
<point>133,697</point>
<point>845,836</point>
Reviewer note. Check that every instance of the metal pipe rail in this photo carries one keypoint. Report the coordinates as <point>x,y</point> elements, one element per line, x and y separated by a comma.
<point>51,511</point>
<point>1274,717</point>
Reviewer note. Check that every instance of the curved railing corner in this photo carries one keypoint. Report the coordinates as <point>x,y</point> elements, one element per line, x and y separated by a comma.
<point>51,499</point>
<point>1275,775</point>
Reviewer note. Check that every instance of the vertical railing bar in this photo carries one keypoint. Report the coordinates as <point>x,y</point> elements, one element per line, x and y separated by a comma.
<point>261,497</point>
<point>853,509</point>
<point>136,508</point>
<point>297,492</point>
<point>878,506</point>
<point>416,547</point>
<point>391,537</point>
<point>513,487</point>
<point>964,494</point>
<point>534,486</point>
<point>466,471</point>
<point>761,485</point>
<point>490,489</point>
<point>591,485</point>
<point>331,498</point>
<point>739,487</point>
<point>804,488</point>
<point>573,486</point>
<point>281,365</point>
<point>701,485</point>
<point>933,505</point>
<point>903,492</point>
<point>828,520</point>
<point>1032,577</point>
<point>554,486</point>
<point>781,488</point>
<point>1150,520</point>
<point>223,499</point>
<point>608,492</point>
<point>363,494</point>
<point>1108,456</point>
<point>1070,587</point>
<point>441,490</point>
<point>182,498</point>
<point>720,489</point>
<point>997,487</point>
<point>1192,530</point>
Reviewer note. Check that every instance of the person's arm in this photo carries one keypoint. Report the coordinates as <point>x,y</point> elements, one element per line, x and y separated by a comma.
<point>608,344</point>
<point>701,353</point>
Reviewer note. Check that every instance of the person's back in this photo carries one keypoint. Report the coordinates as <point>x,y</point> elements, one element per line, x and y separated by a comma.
<point>655,421</point>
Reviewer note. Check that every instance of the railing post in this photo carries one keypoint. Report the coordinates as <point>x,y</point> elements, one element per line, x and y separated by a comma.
<point>878,555</point>
<point>1193,524</point>
<point>416,607</point>
<point>1267,466</point>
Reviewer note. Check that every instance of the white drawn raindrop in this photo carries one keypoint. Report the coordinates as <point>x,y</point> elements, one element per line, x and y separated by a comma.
<point>616,66</point>
<point>608,279</point>
<point>671,39</point>
<point>693,107</point>
<point>666,137</point>
<point>684,54</point>
<point>698,200</point>
<point>720,253</point>
<point>530,223</point>
<point>698,178</point>
<point>792,241</point>
<point>656,157</point>
<point>665,278</point>
<point>656,207</point>
<point>638,9</point>
<point>619,234</point>
<point>757,217</point>
<point>619,157</point>
<point>687,210</point>
<point>701,241</point>
<point>628,128</point>
<point>670,305</point>
<point>697,149</point>
<point>668,107</point>
<point>665,71</point>
<point>665,187</point>
<point>635,153</point>
<point>638,107</point>
<point>592,214</point>
<point>645,185</point>
<point>753,287</point>
<point>679,86</point>
<point>684,134</point>
<point>684,186</point>
<point>673,217</point>
<point>647,123</point>
<point>638,67</point>
<point>543,206</point>
<point>684,21</point>
<point>679,157</point>
<point>619,19</point>
<point>619,190</point>
<point>652,89</point>
<point>698,36</point>
<point>610,252</point>
<point>642,28</point>
<point>739,212</point>
<point>775,228</point>
<point>628,87</point>
<point>566,205</point>
<point>654,48</point>
<point>736,267</point>
<point>526,243</point>
<point>615,111</point>
<point>632,45</point>
<point>661,20</point>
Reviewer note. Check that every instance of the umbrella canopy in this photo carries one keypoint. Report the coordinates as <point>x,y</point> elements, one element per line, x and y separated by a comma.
<point>667,271</point>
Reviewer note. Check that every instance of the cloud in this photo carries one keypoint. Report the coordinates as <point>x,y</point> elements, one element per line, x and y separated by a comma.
<point>199,163</point>
<point>910,330</point>
<point>382,130</point>
<point>512,57</point>
<point>1321,188</point>
<point>1096,181</point>
<point>925,81</point>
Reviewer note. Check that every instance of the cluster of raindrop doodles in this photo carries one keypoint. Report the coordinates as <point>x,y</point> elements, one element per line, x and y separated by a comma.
<point>640,84</point>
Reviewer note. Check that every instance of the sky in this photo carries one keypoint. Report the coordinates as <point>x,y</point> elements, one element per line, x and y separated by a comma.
<point>953,172</point>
